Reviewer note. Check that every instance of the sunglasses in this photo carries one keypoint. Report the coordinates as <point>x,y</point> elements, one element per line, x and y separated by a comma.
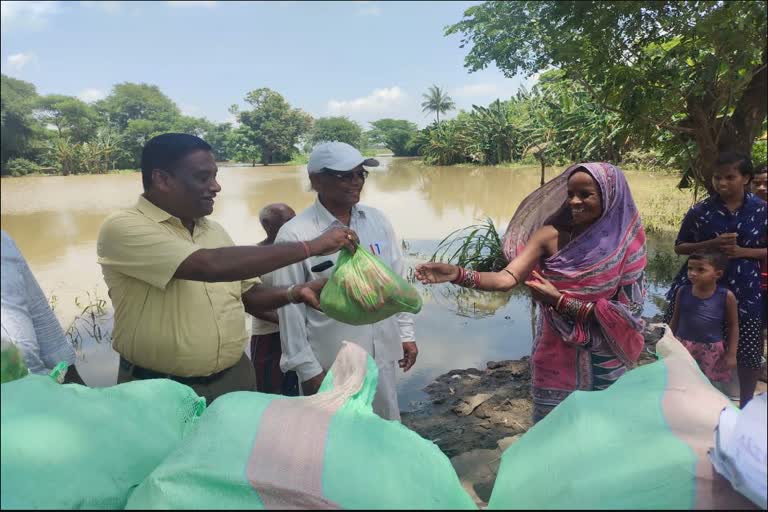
<point>348,176</point>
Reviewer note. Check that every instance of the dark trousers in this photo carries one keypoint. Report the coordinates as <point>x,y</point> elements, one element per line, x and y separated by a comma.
<point>265,355</point>
<point>236,378</point>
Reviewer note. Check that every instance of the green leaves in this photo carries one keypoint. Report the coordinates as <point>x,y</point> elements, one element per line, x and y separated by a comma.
<point>398,134</point>
<point>273,126</point>
<point>340,129</point>
<point>647,62</point>
<point>437,100</point>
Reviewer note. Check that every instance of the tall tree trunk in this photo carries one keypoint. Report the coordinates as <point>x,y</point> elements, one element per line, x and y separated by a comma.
<point>734,133</point>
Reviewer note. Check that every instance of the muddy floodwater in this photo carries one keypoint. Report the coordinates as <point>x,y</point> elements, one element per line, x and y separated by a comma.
<point>55,221</point>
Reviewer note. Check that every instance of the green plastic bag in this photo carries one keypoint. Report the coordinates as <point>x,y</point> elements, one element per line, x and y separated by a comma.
<point>640,444</point>
<point>12,365</point>
<point>71,447</point>
<point>363,290</point>
<point>329,450</point>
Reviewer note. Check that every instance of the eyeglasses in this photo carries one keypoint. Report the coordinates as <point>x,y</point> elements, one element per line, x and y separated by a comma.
<point>348,176</point>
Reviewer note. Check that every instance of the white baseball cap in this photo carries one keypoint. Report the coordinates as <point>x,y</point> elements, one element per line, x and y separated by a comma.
<point>337,156</point>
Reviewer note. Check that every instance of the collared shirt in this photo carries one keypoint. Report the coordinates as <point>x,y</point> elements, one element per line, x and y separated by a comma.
<point>27,319</point>
<point>710,218</point>
<point>310,339</point>
<point>174,326</point>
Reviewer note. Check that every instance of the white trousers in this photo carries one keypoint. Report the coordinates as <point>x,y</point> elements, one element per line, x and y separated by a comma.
<point>385,401</point>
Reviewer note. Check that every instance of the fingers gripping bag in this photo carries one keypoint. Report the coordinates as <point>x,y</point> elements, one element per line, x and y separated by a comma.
<point>363,290</point>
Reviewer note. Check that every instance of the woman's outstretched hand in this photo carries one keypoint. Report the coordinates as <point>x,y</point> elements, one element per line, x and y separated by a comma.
<point>433,273</point>
<point>543,290</point>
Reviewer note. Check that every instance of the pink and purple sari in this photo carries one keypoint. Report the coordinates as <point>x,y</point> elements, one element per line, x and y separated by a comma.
<point>604,265</point>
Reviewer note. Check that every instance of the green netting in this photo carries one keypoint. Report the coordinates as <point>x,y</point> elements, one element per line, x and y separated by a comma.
<point>365,462</point>
<point>70,447</point>
<point>610,449</point>
<point>362,290</point>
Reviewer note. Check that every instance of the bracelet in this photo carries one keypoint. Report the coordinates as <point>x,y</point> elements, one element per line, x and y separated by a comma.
<point>558,306</point>
<point>307,252</point>
<point>577,309</point>
<point>467,278</point>
<point>517,281</point>
<point>291,298</point>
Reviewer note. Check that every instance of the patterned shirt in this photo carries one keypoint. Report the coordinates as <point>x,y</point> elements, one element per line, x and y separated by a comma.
<point>709,219</point>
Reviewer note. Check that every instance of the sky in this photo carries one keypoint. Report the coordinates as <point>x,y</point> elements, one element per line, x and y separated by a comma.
<point>363,60</point>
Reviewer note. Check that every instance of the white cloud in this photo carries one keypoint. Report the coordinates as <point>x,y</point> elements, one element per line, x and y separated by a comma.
<point>378,100</point>
<point>19,60</point>
<point>26,14</point>
<point>192,3</point>
<point>91,95</point>
<point>365,8</point>
<point>389,102</point>
<point>108,6</point>
<point>474,90</point>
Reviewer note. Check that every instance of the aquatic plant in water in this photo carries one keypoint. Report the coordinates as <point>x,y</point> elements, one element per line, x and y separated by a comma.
<point>477,247</point>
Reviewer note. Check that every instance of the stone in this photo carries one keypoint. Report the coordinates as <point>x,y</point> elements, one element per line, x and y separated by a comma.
<point>469,404</point>
<point>508,441</point>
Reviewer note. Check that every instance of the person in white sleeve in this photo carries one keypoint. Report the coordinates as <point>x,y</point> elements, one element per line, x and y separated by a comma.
<point>310,340</point>
<point>28,321</point>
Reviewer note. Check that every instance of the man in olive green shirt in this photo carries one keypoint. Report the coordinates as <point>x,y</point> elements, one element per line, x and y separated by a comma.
<point>179,286</point>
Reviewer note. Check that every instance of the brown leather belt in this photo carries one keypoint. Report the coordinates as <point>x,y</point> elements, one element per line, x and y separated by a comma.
<point>140,372</point>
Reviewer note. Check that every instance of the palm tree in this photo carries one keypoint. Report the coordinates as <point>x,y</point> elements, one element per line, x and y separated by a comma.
<point>437,101</point>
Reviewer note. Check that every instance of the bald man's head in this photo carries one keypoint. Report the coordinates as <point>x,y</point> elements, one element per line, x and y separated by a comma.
<point>272,218</point>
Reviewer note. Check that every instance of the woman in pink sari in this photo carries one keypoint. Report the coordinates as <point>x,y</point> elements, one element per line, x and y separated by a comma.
<point>579,245</point>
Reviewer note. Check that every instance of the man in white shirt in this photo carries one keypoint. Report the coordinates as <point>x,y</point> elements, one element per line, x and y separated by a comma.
<point>265,331</point>
<point>26,318</point>
<point>311,340</point>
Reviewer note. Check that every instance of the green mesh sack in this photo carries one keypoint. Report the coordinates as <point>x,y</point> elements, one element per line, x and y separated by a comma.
<point>12,365</point>
<point>640,444</point>
<point>72,447</point>
<point>325,451</point>
<point>363,290</point>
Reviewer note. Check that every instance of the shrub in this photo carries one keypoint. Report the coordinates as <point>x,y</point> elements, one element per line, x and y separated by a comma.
<point>21,167</point>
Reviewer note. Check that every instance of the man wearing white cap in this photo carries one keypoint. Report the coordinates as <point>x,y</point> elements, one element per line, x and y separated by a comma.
<point>310,339</point>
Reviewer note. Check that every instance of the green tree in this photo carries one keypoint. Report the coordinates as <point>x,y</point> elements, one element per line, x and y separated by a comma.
<point>397,134</point>
<point>17,123</point>
<point>129,101</point>
<point>138,112</point>
<point>695,69</point>
<point>446,143</point>
<point>341,129</point>
<point>219,136</point>
<point>273,126</point>
<point>242,146</point>
<point>437,100</point>
<point>70,116</point>
<point>493,133</point>
<point>197,126</point>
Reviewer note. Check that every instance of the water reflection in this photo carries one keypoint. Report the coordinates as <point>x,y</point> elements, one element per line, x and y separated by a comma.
<point>55,220</point>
